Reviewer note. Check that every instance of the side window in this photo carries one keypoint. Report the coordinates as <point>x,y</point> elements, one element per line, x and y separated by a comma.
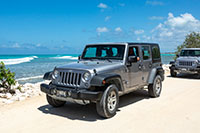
<point>133,51</point>
<point>155,53</point>
<point>145,52</point>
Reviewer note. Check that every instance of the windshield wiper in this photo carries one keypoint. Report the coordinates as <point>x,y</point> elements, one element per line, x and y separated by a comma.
<point>108,60</point>
<point>105,59</point>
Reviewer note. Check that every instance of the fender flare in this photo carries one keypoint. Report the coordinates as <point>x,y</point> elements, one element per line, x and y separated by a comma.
<point>154,72</point>
<point>47,75</point>
<point>97,80</point>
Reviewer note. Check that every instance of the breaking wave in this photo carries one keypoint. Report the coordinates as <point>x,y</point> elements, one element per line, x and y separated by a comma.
<point>17,60</point>
<point>66,57</point>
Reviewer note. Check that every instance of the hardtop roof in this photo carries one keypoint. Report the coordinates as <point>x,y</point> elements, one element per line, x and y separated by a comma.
<point>191,49</point>
<point>123,43</point>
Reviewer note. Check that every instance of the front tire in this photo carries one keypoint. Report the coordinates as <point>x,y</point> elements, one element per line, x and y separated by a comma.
<point>53,102</point>
<point>109,102</point>
<point>173,73</point>
<point>154,89</point>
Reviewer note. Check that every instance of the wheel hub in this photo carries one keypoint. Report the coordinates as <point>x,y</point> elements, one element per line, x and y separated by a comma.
<point>112,101</point>
<point>158,86</point>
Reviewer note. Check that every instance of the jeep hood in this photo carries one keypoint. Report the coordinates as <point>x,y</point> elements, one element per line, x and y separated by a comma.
<point>188,58</point>
<point>99,66</point>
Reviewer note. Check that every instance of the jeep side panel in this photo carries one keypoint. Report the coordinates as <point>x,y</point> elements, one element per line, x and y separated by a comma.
<point>159,70</point>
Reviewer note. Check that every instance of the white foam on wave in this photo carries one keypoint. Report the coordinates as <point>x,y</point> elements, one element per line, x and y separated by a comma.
<point>28,78</point>
<point>17,60</point>
<point>66,57</point>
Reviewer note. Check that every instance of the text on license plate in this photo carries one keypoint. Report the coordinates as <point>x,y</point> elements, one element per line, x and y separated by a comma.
<point>61,93</point>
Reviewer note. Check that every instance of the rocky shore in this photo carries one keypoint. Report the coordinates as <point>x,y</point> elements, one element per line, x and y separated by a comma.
<point>27,90</point>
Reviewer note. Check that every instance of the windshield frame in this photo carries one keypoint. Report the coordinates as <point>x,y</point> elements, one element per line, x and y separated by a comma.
<point>103,58</point>
<point>182,55</point>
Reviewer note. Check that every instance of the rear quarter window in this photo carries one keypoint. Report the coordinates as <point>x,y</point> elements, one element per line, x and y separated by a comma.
<point>155,53</point>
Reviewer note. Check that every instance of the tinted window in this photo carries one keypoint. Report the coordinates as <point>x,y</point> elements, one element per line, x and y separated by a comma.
<point>145,52</point>
<point>190,53</point>
<point>133,51</point>
<point>155,52</point>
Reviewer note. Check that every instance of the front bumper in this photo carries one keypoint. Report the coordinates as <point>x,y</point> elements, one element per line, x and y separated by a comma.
<point>186,70</point>
<point>79,94</point>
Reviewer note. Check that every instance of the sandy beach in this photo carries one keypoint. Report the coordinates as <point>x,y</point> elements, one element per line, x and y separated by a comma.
<point>176,110</point>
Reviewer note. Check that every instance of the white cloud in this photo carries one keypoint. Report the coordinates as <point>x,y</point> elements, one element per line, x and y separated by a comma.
<point>172,32</point>
<point>16,45</point>
<point>102,5</point>
<point>101,30</point>
<point>182,20</point>
<point>38,45</point>
<point>154,3</point>
<point>107,18</point>
<point>137,32</point>
<point>156,18</point>
<point>118,29</point>
<point>138,39</point>
<point>146,38</point>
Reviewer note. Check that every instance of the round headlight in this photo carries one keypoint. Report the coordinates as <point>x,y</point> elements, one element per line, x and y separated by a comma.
<point>86,76</point>
<point>55,74</point>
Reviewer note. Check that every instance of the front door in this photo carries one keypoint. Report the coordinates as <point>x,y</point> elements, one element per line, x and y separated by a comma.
<point>134,74</point>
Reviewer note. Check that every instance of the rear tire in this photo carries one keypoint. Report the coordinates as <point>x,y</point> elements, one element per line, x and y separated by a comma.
<point>108,104</point>
<point>154,89</point>
<point>54,102</point>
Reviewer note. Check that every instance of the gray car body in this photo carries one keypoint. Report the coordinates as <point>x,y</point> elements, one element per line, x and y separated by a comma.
<point>180,68</point>
<point>128,77</point>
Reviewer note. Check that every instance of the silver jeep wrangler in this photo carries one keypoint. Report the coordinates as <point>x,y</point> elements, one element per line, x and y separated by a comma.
<point>103,73</point>
<point>188,61</point>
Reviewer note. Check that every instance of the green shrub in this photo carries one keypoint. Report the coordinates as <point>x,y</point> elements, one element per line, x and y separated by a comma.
<point>7,78</point>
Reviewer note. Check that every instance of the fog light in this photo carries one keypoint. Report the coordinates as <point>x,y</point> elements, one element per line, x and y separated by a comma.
<point>69,93</point>
<point>54,91</point>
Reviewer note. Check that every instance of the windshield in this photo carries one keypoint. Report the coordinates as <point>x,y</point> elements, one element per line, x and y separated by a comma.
<point>190,53</point>
<point>104,52</point>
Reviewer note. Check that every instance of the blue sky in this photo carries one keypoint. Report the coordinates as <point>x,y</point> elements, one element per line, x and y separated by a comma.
<point>65,26</point>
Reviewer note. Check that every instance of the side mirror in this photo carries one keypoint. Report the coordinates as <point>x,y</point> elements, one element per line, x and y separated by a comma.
<point>133,59</point>
<point>79,57</point>
<point>177,55</point>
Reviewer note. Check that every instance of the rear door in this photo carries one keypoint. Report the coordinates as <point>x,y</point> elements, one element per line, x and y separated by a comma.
<point>146,62</point>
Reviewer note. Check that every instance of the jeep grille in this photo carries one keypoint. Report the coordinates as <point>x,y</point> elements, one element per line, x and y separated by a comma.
<point>185,63</point>
<point>70,79</point>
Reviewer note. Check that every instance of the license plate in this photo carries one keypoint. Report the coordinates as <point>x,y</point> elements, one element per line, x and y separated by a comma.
<point>184,69</point>
<point>61,93</point>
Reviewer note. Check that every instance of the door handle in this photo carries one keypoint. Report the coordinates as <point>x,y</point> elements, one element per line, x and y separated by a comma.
<point>140,66</point>
<point>150,65</point>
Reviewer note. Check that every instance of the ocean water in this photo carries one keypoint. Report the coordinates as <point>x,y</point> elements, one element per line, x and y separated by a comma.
<point>31,68</point>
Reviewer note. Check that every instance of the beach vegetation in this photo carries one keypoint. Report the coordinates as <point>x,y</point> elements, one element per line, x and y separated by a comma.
<point>7,78</point>
<point>192,40</point>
